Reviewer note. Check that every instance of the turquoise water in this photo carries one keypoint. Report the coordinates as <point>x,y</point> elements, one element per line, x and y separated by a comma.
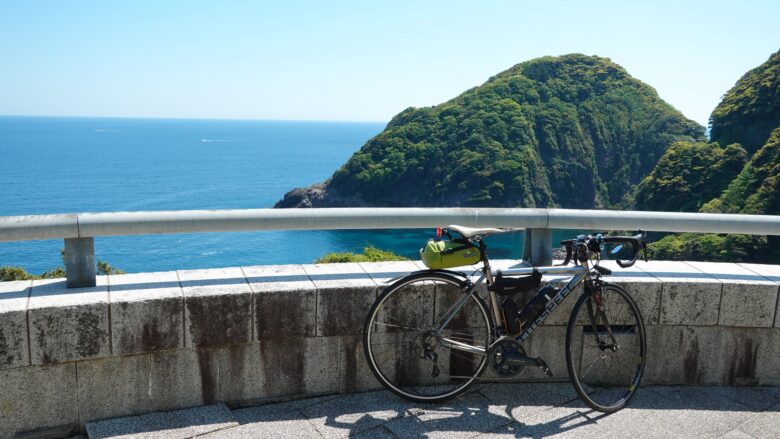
<point>59,165</point>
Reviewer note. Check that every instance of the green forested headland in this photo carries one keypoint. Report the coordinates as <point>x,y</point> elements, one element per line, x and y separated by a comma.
<point>571,131</point>
<point>707,178</point>
<point>578,131</point>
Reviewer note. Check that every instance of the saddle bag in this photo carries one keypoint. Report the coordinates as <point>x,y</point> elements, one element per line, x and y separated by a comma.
<point>439,254</point>
<point>504,286</point>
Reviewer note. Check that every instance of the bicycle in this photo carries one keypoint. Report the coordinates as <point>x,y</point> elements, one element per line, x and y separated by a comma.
<point>429,335</point>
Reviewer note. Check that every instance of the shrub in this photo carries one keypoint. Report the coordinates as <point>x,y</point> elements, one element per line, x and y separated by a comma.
<point>370,254</point>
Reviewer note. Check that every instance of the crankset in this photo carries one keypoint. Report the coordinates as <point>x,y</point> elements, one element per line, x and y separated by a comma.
<point>499,356</point>
<point>507,357</point>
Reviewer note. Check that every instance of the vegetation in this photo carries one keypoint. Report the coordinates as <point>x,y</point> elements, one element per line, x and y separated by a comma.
<point>711,247</point>
<point>749,114</point>
<point>688,175</point>
<point>572,131</point>
<point>756,189</point>
<point>370,254</point>
<point>18,273</point>
<point>751,109</point>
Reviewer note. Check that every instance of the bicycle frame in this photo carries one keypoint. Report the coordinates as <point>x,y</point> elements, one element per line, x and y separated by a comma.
<point>579,273</point>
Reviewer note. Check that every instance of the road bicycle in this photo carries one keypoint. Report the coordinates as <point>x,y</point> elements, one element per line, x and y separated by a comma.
<point>429,335</point>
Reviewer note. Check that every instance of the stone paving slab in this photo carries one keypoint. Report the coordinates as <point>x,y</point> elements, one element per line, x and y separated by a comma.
<point>169,425</point>
<point>282,420</point>
<point>487,411</point>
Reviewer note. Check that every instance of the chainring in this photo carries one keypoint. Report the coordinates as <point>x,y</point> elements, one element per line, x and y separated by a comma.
<point>498,354</point>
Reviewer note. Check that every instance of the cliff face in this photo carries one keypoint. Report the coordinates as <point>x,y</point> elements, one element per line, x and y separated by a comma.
<point>571,131</point>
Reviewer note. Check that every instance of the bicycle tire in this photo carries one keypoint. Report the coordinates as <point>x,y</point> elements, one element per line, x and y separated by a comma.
<point>606,390</point>
<point>422,298</point>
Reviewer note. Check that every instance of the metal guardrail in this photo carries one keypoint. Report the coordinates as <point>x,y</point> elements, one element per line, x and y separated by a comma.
<point>80,229</point>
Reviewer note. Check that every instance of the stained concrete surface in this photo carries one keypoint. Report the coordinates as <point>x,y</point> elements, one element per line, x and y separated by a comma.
<point>487,411</point>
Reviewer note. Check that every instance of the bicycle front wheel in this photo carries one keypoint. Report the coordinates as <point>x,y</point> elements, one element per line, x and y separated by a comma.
<point>408,349</point>
<point>606,348</point>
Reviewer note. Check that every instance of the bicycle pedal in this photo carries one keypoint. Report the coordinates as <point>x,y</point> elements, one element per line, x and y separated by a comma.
<point>543,365</point>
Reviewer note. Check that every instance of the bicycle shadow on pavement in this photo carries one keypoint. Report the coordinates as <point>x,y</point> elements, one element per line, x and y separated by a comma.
<point>531,410</point>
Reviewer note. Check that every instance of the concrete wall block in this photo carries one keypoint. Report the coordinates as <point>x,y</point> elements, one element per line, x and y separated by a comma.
<point>549,343</point>
<point>748,305</point>
<point>689,303</point>
<point>232,374</point>
<point>712,355</point>
<point>689,295</point>
<point>339,275</point>
<point>68,324</point>
<point>468,317</point>
<point>383,272</point>
<point>147,312</point>
<point>748,298</point>
<point>298,366</point>
<point>112,387</point>
<point>14,349</point>
<point>285,301</point>
<point>285,314</point>
<point>36,397</point>
<point>217,307</point>
<point>355,373</point>
<point>175,380</point>
<point>771,273</point>
<point>762,354</point>
<point>647,295</point>
<point>684,355</point>
<point>342,311</point>
<point>344,295</point>
<point>644,288</point>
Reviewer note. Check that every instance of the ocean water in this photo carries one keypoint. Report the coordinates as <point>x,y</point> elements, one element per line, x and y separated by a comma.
<point>62,165</point>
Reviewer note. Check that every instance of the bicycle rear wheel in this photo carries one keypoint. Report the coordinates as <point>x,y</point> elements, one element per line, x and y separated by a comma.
<point>406,354</point>
<point>606,348</point>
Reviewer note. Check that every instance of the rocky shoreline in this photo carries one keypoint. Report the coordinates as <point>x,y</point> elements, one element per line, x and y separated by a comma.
<point>317,195</point>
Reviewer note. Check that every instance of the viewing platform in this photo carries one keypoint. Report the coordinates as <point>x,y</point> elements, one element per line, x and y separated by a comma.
<point>151,342</point>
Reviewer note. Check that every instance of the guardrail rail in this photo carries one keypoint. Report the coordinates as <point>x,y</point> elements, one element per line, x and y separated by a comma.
<point>80,229</point>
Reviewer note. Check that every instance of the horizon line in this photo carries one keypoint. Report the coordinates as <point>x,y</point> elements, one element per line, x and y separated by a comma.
<point>246,119</point>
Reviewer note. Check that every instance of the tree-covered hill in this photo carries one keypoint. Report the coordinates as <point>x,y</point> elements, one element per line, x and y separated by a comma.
<point>687,176</point>
<point>751,109</point>
<point>571,131</point>
<point>756,190</point>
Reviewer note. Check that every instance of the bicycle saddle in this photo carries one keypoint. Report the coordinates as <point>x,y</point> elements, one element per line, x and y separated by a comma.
<point>469,232</point>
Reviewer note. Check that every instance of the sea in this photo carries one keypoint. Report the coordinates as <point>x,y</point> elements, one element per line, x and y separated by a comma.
<point>73,164</point>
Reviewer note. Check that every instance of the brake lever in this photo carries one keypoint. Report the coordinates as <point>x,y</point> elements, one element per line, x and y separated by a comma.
<point>568,257</point>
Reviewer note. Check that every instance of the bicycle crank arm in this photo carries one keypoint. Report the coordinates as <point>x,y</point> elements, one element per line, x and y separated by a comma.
<point>529,361</point>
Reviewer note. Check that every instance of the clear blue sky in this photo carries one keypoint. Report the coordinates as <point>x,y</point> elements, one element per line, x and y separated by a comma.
<point>352,60</point>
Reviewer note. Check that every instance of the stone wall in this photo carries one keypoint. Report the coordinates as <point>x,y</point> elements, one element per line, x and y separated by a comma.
<point>156,341</point>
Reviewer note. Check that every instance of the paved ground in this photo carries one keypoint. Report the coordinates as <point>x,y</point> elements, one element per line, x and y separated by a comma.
<point>501,411</point>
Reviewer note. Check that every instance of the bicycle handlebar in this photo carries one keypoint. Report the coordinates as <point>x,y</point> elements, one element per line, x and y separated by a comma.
<point>593,243</point>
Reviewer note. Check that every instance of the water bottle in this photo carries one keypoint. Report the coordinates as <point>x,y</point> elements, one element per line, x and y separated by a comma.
<point>536,305</point>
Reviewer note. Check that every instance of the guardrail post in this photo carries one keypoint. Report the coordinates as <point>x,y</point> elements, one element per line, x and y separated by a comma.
<point>537,247</point>
<point>80,266</point>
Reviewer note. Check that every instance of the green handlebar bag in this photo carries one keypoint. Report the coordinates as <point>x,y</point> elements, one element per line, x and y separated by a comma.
<point>448,254</point>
